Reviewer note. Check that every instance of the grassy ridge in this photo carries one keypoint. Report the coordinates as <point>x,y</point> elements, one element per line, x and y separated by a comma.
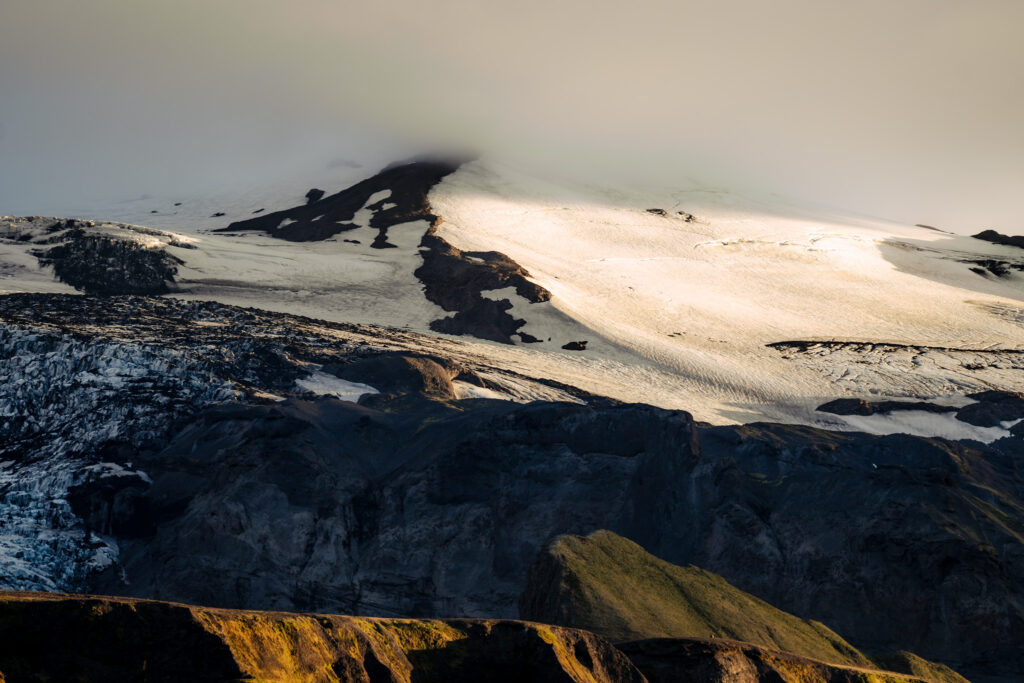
<point>609,585</point>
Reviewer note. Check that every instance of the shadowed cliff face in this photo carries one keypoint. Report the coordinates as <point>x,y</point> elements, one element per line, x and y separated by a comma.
<point>47,637</point>
<point>407,507</point>
<point>881,538</point>
<point>411,507</point>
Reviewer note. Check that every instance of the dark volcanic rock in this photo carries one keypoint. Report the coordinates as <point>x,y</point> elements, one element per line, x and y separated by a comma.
<point>314,195</point>
<point>455,280</point>
<point>999,238</point>
<point>858,406</point>
<point>86,639</point>
<point>451,278</point>
<point>992,408</point>
<point>994,267</point>
<point>323,218</point>
<point>415,508</point>
<point>98,264</point>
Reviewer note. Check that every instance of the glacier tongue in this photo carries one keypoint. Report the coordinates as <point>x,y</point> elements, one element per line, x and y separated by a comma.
<point>64,399</point>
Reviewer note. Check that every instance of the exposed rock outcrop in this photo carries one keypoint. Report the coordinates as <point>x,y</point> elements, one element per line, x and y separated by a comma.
<point>993,408</point>
<point>999,238</point>
<point>858,406</point>
<point>100,258</point>
<point>452,279</point>
<point>455,281</point>
<point>80,638</point>
<point>692,660</point>
<point>406,187</point>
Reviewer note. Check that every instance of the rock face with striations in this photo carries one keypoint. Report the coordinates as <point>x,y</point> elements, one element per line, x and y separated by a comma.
<point>407,507</point>
<point>85,639</point>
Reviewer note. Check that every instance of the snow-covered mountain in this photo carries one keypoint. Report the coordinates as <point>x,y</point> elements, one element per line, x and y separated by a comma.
<point>385,396</point>
<point>683,297</point>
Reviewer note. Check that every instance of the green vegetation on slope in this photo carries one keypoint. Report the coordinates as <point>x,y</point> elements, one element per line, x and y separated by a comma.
<point>609,585</point>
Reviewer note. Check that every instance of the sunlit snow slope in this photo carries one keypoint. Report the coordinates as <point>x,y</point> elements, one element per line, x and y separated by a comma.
<point>701,283</point>
<point>685,297</point>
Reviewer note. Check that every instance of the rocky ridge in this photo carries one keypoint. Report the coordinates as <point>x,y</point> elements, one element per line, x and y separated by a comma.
<point>81,638</point>
<point>609,585</point>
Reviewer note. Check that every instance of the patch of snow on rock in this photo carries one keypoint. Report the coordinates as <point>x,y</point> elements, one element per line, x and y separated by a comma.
<point>319,382</point>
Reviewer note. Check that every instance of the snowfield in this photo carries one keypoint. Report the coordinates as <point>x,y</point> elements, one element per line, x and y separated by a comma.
<point>701,293</point>
<point>677,292</point>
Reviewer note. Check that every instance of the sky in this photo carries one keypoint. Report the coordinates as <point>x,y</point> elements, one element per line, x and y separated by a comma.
<point>911,110</point>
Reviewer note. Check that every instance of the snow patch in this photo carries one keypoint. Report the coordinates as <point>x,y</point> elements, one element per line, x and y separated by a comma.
<point>467,390</point>
<point>319,382</point>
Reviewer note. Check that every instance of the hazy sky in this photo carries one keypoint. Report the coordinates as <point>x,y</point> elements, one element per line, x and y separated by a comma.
<point>906,109</point>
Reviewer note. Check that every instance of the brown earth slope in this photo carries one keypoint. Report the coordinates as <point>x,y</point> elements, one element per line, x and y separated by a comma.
<point>55,637</point>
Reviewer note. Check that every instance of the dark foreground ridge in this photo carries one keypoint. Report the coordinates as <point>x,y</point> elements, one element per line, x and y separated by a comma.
<point>46,637</point>
<point>167,449</point>
<point>52,637</point>
<point>452,279</point>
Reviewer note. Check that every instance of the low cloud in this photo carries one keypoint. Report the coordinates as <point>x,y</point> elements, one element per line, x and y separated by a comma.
<point>903,110</point>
